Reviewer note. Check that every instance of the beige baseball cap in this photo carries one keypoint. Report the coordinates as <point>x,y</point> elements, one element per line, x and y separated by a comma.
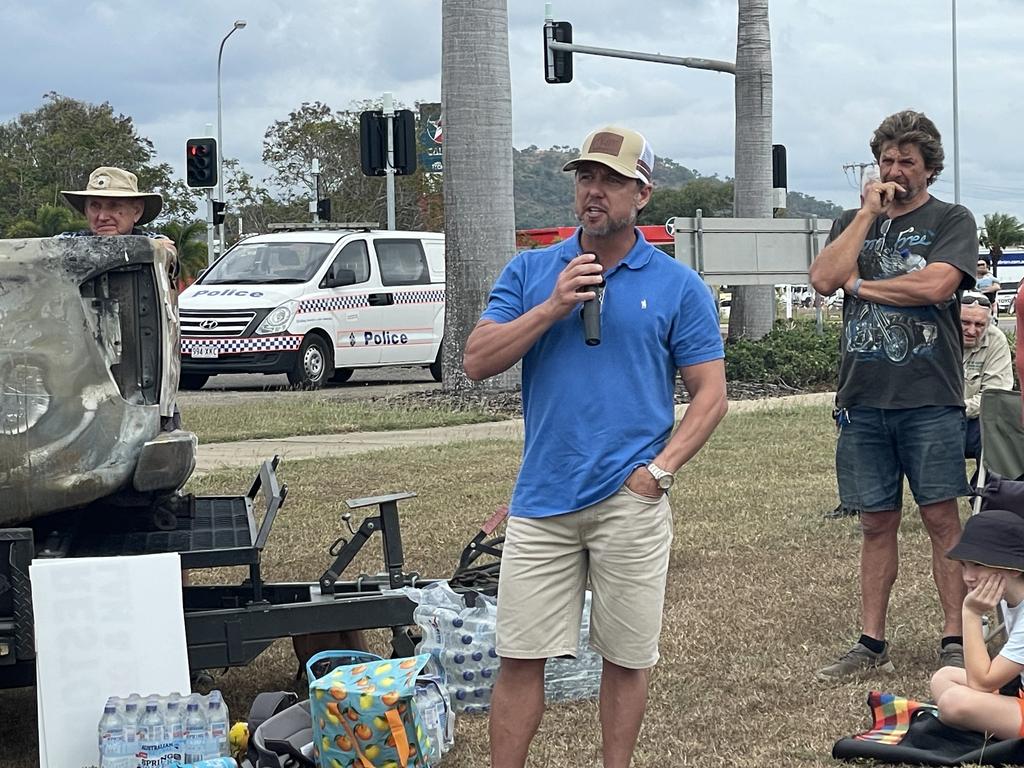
<point>623,150</point>
<point>108,181</point>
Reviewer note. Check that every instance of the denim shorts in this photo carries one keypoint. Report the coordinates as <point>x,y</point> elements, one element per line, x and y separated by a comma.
<point>879,447</point>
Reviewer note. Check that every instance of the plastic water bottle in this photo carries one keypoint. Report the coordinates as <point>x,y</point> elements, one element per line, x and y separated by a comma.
<point>172,717</point>
<point>111,737</point>
<point>196,732</point>
<point>131,721</point>
<point>151,724</point>
<point>218,724</point>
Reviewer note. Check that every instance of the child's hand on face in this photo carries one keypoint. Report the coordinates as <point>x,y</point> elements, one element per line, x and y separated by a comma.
<point>986,593</point>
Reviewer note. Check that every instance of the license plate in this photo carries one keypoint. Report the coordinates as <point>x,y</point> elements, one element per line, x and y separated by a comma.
<point>205,351</point>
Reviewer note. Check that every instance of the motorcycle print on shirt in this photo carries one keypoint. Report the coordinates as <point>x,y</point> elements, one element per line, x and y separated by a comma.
<point>897,333</point>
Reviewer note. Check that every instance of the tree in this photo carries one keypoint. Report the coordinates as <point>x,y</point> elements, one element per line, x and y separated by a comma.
<point>315,132</point>
<point>753,306</point>
<point>1001,231</point>
<point>190,241</point>
<point>57,146</point>
<point>49,220</point>
<point>476,98</point>
<point>710,194</point>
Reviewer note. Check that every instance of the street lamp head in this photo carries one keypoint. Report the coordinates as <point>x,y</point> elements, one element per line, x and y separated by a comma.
<point>240,24</point>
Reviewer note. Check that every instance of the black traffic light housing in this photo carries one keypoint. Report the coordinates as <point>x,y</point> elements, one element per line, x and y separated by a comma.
<point>201,162</point>
<point>323,209</point>
<point>557,64</point>
<point>373,142</point>
<point>218,213</point>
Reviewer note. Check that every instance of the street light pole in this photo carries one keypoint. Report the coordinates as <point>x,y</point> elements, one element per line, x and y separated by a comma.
<point>240,24</point>
<point>956,120</point>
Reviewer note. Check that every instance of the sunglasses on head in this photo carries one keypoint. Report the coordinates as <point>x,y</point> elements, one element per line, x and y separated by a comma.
<point>983,300</point>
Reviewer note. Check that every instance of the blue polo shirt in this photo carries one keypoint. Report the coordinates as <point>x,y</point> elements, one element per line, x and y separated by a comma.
<point>593,414</point>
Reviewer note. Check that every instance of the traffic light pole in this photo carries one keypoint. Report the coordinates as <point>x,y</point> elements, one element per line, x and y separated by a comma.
<point>389,113</point>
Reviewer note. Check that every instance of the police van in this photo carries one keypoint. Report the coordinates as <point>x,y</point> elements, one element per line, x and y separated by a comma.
<point>316,305</point>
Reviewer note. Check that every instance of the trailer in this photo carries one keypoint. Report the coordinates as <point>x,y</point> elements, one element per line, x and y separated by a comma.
<point>229,626</point>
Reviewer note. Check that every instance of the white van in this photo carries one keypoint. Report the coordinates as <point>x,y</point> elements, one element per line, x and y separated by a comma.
<point>316,305</point>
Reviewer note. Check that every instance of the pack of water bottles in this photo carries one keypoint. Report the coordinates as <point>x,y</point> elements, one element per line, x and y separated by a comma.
<point>164,731</point>
<point>460,640</point>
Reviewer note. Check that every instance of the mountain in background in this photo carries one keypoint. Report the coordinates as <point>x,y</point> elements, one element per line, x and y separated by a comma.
<point>544,193</point>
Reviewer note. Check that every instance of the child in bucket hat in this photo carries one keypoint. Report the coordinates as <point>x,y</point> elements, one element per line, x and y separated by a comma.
<point>991,550</point>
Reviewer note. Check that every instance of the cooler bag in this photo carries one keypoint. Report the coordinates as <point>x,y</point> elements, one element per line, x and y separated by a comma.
<point>363,713</point>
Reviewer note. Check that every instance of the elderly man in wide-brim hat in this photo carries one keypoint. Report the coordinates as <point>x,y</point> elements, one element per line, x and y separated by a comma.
<point>112,203</point>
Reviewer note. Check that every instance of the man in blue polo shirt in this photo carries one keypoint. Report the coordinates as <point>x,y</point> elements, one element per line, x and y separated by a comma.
<point>591,499</point>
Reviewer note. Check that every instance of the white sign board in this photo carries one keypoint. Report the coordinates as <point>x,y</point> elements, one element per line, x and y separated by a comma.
<point>750,251</point>
<point>104,626</point>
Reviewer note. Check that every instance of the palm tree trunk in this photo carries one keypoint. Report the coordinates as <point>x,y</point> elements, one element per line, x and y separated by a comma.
<point>479,213</point>
<point>753,306</point>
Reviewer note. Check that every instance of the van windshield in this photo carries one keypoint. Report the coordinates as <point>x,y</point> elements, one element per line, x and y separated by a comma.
<point>279,262</point>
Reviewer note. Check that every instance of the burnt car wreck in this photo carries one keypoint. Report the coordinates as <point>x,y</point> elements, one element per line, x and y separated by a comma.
<point>88,375</point>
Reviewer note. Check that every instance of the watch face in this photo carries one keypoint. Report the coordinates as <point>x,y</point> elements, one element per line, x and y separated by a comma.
<point>665,482</point>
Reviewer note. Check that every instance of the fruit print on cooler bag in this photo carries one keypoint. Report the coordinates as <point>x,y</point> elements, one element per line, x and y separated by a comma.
<point>363,714</point>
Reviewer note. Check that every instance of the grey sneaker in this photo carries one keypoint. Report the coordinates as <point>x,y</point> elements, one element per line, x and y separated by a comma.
<point>857,661</point>
<point>952,656</point>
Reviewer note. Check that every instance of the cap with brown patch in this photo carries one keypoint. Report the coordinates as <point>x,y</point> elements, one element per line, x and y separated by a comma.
<point>623,150</point>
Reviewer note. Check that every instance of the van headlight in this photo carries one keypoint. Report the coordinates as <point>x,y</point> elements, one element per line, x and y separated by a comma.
<point>23,398</point>
<point>279,319</point>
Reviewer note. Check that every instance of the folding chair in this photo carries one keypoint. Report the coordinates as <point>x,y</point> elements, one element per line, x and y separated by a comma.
<point>1002,441</point>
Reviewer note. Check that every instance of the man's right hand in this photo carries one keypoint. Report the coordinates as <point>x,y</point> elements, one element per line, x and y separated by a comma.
<point>571,287</point>
<point>879,196</point>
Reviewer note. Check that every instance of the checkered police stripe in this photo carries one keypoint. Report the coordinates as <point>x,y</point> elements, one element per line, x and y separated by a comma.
<point>238,346</point>
<point>334,303</point>
<point>420,297</point>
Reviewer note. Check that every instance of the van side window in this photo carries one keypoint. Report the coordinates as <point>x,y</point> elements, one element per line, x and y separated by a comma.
<point>354,257</point>
<point>402,262</point>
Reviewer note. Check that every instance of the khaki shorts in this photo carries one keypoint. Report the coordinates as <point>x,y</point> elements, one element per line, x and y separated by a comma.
<point>622,544</point>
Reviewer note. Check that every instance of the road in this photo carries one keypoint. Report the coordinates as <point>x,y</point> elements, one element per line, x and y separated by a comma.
<point>365,383</point>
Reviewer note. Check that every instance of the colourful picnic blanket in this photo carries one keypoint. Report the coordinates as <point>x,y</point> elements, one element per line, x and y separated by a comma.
<point>891,715</point>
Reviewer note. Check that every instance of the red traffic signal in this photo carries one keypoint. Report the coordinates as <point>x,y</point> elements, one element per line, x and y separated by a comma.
<point>201,162</point>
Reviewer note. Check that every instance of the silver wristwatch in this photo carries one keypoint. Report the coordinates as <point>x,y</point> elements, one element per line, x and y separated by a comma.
<point>661,476</point>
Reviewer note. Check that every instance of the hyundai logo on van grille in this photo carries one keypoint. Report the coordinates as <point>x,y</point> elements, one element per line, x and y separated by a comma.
<point>222,324</point>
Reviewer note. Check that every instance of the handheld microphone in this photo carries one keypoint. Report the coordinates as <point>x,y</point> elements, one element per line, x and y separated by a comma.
<point>591,314</point>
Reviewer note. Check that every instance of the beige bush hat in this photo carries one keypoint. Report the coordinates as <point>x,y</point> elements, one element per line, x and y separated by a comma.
<point>108,181</point>
<point>621,149</point>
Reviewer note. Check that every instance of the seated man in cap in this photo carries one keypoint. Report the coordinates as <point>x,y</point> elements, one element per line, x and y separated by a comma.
<point>991,551</point>
<point>986,363</point>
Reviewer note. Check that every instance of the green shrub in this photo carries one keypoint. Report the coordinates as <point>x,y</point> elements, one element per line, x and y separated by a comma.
<point>794,355</point>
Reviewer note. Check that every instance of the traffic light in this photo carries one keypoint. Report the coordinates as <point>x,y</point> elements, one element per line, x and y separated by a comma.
<point>557,64</point>
<point>201,162</point>
<point>405,142</point>
<point>373,142</point>
<point>323,209</point>
<point>218,213</point>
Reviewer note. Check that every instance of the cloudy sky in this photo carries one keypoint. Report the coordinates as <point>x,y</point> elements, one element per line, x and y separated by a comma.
<point>839,67</point>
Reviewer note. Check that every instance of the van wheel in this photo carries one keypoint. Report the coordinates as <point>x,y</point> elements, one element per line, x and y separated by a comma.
<point>341,375</point>
<point>193,381</point>
<point>310,371</point>
<point>435,367</point>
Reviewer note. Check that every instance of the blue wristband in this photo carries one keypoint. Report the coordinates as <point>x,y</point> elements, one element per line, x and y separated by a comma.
<point>856,287</point>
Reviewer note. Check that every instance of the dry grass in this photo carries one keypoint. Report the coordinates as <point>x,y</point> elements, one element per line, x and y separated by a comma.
<point>300,413</point>
<point>761,593</point>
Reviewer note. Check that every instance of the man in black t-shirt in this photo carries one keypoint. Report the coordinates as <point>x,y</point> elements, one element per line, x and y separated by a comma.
<point>901,260</point>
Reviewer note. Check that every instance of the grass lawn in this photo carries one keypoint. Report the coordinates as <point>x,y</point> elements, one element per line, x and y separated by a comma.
<point>302,413</point>
<point>762,591</point>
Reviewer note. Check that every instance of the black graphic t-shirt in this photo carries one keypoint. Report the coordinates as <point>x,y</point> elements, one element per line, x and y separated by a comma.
<point>907,357</point>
